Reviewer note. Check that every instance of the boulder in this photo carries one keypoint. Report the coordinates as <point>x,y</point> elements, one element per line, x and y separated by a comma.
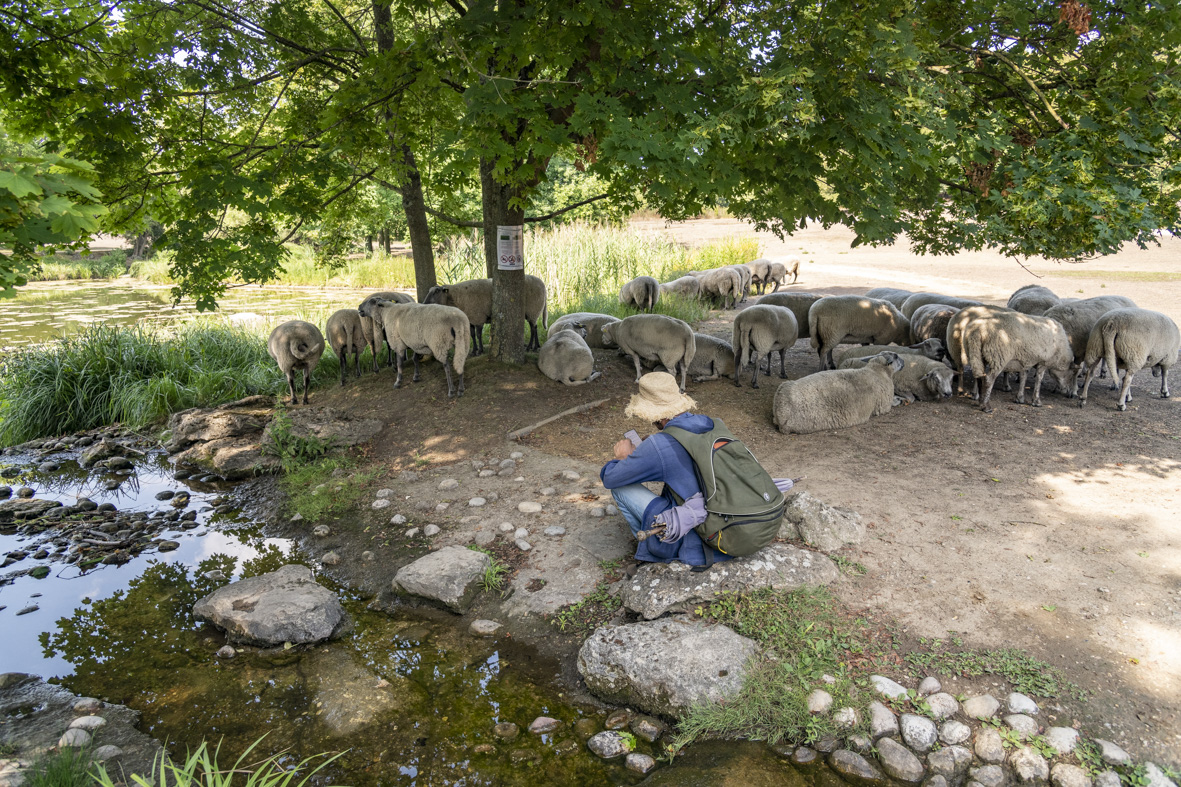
<point>820,525</point>
<point>899,762</point>
<point>25,508</point>
<point>102,450</point>
<point>283,606</point>
<point>665,666</point>
<point>855,769</point>
<point>451,576</point>
<point>659,588</point>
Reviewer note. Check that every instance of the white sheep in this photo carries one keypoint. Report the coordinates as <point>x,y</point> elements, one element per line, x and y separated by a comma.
<point>854,319</point>
<point>688,287</point>
<point>721,284</point>
<point>653,337</point>
<point>345,335</point>
<point>920,378</point>
<point>762,330</point>
<point>592,321</point>
<point>891,294</point>
<point>641,293</point>
<point>799,303</point>
<point>1132,339</point>
<point>744,275</point>
<point>427,329</point>
<point>760,273</point>
<point>930,321</point>
<point>928,348</point>
<point>953,341</point>
<point>836,399</point>
<point>373,333</point>
<point>1033,299</point>
<point>780,271</point>
<point>296,344</point>
<point>1079,318</point>
<point>912,303</point>
<point>1010,341</point>
<point>712,358</point>
<point>474,298</point>
<point>566,358</point>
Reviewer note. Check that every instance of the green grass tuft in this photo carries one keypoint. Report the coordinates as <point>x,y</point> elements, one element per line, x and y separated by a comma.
<point>1027,674</point>
<point>200,768</point>
<point>325,489</point>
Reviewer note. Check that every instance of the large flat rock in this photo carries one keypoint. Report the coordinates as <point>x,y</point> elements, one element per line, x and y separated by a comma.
<point>25,508</point>
<point>283,606</point>
<point>664,666</point>
<point>451,576</point>
<point>820,525</point>
<point>659,588</point>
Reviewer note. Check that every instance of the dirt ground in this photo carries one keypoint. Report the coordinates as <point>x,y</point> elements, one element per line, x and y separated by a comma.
<point>1053,530</point>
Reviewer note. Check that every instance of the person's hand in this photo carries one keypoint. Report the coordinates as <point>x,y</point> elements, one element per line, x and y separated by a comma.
<point>624,448</point>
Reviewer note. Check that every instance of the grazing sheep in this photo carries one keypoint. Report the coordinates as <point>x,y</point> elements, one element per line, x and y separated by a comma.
<point>592,321</point>
<point>744,275</point>
<point>1079,318</point>
<point>640,293</point>
<point>1033,299</point>
<point>921,378</point>
<point>760,273</point>
<point>891,294</point>
<point>427,329</point>
<point>686,287</point>
<point>345,335</point>
<point>566,358</point>
<point>798,302</point>
<point>474,298</point>
<point>722,284</point>
<point>953,340</point>
<point>912,303</point>
<point>653,337</point>
<point>930,321</point>
<point>712,358</point>
<point>296,345</point>
<point>854,319</point>
<point>1010,341</point>
<point>373,333</point>
<point>762,329</point>
<point>1132,339</point>
<point>780,270</point>
<point>928,348</point>
<point>836,399</point>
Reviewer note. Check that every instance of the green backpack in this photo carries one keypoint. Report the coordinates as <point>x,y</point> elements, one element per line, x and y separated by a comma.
<point>743,505</point>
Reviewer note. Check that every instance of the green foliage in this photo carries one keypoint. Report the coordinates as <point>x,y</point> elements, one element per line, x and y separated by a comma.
<point>65,767</point>
<point>847,566</point>
<point>495,575</point>
<point>47,201</point>
<point>802,637</point>
<point>107,266</point>
<point>592,611</point>
<point>292,450</point>
<point>325,489</point>
<point>1027,674</point>
<point>136,376</point>
<point>200,768</point>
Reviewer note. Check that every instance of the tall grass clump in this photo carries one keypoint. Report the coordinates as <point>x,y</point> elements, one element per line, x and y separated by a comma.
<point>156,269</point>
<point>66,767</point>
<point>379,271</point>
<point>202,769</point>
<point>133,375</point>
<point>59,268</point>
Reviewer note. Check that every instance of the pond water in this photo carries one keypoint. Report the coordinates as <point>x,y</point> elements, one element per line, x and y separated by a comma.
<point>46,310</point>
<point>408,698</point>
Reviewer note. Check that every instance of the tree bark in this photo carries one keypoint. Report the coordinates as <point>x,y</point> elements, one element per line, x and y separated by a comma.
<point>387,241</point>
<point>508,287</point>
<point>369,244</point>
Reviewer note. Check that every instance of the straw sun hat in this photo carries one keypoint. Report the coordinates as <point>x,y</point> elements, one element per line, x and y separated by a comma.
<point>660,397</point>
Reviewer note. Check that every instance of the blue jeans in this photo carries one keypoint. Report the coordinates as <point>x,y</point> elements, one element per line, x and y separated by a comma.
<point>632,500</point>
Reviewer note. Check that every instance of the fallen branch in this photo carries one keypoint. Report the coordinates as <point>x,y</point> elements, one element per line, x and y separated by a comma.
<point>582,408</point>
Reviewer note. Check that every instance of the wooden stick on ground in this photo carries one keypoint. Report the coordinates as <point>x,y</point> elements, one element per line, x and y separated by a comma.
<point>582,408</point>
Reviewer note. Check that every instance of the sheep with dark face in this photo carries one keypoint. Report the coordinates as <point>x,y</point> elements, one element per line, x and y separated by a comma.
<point>565,356</point>
<point>373,333</point>
<point>296,345</point>
<point>426,329</point>
<point>1131,339</point>
<point>854,319</point>
<point>346,336</point>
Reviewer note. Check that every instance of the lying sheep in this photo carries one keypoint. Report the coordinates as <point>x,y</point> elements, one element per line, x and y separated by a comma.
<point>654,337</point>
<point>760,273</point>
<point>799,303</point>
<point>929,348</point>
<point>1132,339</point>
<point>1080,317</point>
<point>640,293</point>
<point>1010,341</point>
<point>427,329</point>
<point>712,358</point>
<point>891,294</point>
<point>722,284</point>
<point>345,335</point>
<point>474,298</point>
<point>296,345</point>
<point>686,286</point>
<point>592,321</point>
<point>930,321</point>
<point>762,329</point>
<point>920,378</point>
<point>373,333</point>
<point>854,319</point>
<point>1033,299</point>
<point>780,270</point>
<point>836,399</point>
<point>566,358</point>
<point>912,303</point>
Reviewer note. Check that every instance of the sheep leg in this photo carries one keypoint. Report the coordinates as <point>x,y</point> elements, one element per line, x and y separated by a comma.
<point>477,337</point>
<point>636,360</point>
<point>446,370</point>
<point>357,363</point>
<point>1125,394</point>
<point>1007,382</point>
<point>782,365</point>
<point>534,344</point>
<point>1087,385</point>
<point>291,385</point>
<point>307,379</point>
<point>417,376</point>
<point>989,382</point>
<point>398,379</point>
<point>1020,385</point>
<point>343,357</point>
<point>684,367</point>
<point>1164,381</point>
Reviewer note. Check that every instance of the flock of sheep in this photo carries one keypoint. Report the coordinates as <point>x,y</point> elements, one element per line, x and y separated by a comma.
<point>912,345</point>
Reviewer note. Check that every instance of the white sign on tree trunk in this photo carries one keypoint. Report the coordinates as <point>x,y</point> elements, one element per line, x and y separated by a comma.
<point>510,247</point>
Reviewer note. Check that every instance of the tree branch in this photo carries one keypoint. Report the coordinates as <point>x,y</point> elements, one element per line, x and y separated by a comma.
<point>353,30</point>
<point>1017,70</point>
<point>548,216</point>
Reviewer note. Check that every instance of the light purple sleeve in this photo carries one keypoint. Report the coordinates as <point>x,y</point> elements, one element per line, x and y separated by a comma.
<point>784,484</point>
<point>679,520</point>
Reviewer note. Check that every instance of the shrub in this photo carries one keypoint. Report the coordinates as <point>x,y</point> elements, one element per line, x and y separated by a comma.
<point>201,769</point>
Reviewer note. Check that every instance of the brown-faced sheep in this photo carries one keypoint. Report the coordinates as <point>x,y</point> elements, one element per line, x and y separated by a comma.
<point>296,345</point>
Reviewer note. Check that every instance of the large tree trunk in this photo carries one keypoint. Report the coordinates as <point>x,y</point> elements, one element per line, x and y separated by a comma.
<point>508,287</point>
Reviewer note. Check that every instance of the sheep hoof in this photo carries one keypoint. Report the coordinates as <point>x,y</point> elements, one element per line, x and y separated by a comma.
<point>1037,404</point>
<point>1165,395</point>
<point>987,409</point>
<point>1123,407</point>
<point>1082,403</point>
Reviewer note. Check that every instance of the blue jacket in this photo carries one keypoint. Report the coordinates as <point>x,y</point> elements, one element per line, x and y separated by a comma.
<point>661,458</point>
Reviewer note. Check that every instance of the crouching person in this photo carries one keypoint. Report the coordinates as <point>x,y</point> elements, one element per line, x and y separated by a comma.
<point>717,501</point>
